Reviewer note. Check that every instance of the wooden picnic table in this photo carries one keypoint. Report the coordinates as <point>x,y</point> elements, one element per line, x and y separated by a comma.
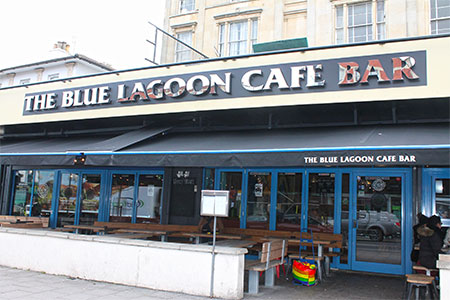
<point>319,243</point>
<point>132,235</point>
<point>236,243</point>
<point>143,232</point>
<point>198,235</point>
<point>99,229</point>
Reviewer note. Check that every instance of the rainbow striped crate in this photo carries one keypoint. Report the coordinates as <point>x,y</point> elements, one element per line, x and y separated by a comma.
<point>304,273</point>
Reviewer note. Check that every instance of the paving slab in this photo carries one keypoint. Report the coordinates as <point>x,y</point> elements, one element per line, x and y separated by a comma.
<point>23,284</point>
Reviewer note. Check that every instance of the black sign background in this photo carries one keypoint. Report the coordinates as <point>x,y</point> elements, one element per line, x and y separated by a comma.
<point>330,73</point>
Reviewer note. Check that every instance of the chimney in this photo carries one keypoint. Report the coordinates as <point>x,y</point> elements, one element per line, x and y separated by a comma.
<point>62,45</point>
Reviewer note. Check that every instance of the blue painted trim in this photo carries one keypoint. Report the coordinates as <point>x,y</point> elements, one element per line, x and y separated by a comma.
<point>12,194</point>
<point>135,197</point>
<point>273,200</point>
<point>78,201</point>
<point>278,150</point>
<point>55,199</point>
<point>429,176</point>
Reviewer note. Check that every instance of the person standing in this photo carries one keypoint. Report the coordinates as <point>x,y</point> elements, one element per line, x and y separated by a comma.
<point>430,242</point>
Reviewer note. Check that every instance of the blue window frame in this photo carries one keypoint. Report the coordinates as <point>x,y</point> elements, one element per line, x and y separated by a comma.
<point>143,197</point>
<point>349,193</point>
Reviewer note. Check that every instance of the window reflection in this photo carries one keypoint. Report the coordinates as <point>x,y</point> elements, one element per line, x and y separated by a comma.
<point>258,200</point>
<point>122,195</point>
<point>443,198</point>
<point>67,199</point>
<point>43,193</point>
<point>289,201</point>
<point>90,198</point>
<point>149,198</point>
<point>232,181</point>
<point>22,192</point>
<point>321,202</point>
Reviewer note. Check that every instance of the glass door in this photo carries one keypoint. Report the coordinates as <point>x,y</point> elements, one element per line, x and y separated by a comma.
<point>376,221</point>
<point>259,187</point>
<point>89,198</point>
<point>79,198</point>
<point>232,181</point>
<point>321,198</point>
<point>67,201</point>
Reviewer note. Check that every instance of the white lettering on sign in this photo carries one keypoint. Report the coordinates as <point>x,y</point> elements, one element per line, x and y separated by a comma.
<point>346,74</point>
<point>362,159</point>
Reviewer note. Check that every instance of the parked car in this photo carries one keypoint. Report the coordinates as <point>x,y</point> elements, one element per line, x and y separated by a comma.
<point>376,225</point>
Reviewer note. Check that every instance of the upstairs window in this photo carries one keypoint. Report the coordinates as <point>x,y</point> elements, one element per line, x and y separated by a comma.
<point>187,6</point>
<point>440,16</point>
<point>53,76</point>
<point>25,81</point>
<point>183,53</point>
<point>237,38</point>
<point>360,22</point>
<point>237,43</point>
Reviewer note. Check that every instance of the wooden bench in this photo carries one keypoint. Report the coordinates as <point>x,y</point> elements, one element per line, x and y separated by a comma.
<point>272,255</point>
<point>169,229</point>
<point>23,221</point>
<point>332,242</point>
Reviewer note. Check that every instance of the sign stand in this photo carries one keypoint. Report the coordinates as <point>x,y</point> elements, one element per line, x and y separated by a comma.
<point>214,204</point>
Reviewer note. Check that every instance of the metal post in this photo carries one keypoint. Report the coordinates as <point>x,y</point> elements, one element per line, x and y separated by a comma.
<point>213,258</point>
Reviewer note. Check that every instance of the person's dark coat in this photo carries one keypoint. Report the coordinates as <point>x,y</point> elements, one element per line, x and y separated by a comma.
<point>422,220</point>
<point>430,245</point>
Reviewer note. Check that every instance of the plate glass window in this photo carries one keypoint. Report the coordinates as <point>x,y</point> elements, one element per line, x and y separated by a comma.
<point>232,182</point>
<point>321,202</point>
<point>43,193</point>
<point>22,192</point>
<point>289,201</point>
<point>149,198</point>
<point>258,200</point>
<point>122,198</point>
<point>440,16</point>
<point>67,199</point>
<point>379,209</point>
<point>442,203</point>
<point>90,198</point>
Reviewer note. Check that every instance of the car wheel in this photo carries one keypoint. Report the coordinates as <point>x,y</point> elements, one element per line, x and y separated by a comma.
<point>376,234</point>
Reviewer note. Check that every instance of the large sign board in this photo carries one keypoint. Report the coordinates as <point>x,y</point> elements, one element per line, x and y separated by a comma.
<point>394,70</point>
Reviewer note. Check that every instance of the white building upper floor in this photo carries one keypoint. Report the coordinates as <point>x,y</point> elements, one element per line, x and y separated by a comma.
<point>60,64</point>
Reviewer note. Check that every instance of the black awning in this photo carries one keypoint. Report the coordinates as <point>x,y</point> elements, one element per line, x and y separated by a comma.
<point>397,145</point>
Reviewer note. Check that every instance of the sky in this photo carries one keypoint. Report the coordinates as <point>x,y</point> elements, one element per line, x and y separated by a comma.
<point>112,32</point>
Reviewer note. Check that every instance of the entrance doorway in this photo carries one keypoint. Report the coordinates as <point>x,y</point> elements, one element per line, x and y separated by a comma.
<point>375,225</point>
<point>79,198</point>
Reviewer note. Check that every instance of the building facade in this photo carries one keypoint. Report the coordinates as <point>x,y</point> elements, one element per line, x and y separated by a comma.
<point>350,139</point>
<point>60,64</point>
<point>221,28</point>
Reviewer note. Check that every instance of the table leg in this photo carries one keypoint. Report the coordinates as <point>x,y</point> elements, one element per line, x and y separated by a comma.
<point>269,277</point>
<point>327,266</point>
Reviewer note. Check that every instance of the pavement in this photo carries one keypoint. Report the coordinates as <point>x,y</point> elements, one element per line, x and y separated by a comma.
<point>30,285</point>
